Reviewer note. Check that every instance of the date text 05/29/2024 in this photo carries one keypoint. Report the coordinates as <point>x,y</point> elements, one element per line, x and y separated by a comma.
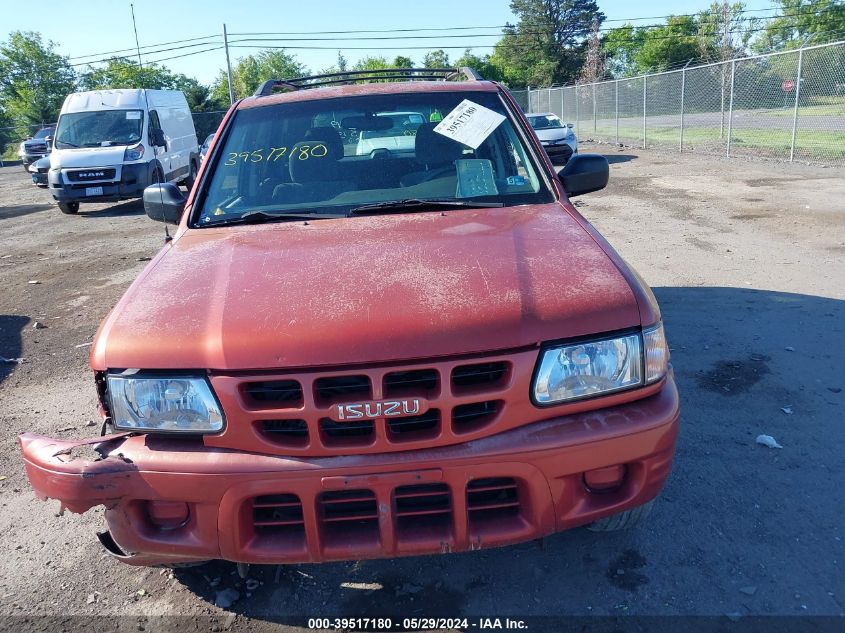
<point>417,624</point>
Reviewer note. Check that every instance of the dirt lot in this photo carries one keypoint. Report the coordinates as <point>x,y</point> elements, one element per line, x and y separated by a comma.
<point>748,261</point>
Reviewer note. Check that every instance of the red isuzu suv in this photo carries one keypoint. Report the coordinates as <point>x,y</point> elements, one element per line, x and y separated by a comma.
<point>380,329</point>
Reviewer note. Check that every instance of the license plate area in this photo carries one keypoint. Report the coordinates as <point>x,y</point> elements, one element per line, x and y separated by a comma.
<point>93,191</point>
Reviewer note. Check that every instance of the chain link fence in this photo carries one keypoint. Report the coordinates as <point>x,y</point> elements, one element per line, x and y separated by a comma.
<point>784,106</point>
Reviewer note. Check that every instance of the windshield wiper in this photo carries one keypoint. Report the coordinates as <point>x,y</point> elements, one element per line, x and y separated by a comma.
<point>257,217</point>
<point>66,143</point>
<point>419,204</point>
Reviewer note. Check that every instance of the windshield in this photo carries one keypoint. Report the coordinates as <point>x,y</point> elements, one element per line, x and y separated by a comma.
<point>333,156</point>
<point>99,128</point>
<point>43,133</point>
<point>544,121</point>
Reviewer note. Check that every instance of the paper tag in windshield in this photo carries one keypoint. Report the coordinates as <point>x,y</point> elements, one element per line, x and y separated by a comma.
<point>469,123</point>
<point>133,114</point>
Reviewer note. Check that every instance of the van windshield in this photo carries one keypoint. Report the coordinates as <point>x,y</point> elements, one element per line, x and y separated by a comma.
<point>349,155</point>
<point>100,128</point>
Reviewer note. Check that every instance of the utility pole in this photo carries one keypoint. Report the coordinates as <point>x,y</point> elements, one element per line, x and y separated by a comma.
<point>228,66</point>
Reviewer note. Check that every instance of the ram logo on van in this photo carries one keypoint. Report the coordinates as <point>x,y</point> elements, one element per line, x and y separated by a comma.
<point>380,409</point>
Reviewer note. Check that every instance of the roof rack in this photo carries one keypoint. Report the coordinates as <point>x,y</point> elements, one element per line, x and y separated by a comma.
<point>272,86</point>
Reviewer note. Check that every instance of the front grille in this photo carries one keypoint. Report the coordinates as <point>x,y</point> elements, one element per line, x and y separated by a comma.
<point>286,393</point>
<point>36,149</point>
<point>278,514</point>
<point>378,409</point>
<point>495,497</point>
<point>89,175</point>
<point>342,389</point>
<point>478,376</point>
<point>414,427</point>
<point>467,418</point>
<point>421,509</point>
<point>348,516</point>
<point>356,433</point>
<point>291,432</point>
<point>419,382</point>
<point>408,515</point>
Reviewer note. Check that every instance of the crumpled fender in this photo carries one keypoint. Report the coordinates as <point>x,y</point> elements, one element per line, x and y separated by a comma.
<point>79,484</point>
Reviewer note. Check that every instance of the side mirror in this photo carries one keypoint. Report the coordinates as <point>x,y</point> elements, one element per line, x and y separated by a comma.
<point>164,203</point>
<point>570,126</point>
<point>584,173</point>
<point>157,138</point>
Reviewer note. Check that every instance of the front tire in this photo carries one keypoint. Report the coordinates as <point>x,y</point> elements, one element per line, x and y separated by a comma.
<point>192,176</point>
<point>624,520</point>
<point>69,208</point>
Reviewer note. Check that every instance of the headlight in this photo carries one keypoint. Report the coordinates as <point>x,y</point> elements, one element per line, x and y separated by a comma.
<point>592,368</point>
<point>133,153</point>
<point>656,353</point>
<point>164,404</point>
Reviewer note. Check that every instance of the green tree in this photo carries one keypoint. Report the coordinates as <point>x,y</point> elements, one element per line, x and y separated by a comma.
<point>547,45</point>
<point>725,30</point>
<point>248,73</point>
<point>669,46</point>
<point>436,59</point>
<point>810,21</point>
<point>484,66</point>
<point>122,72</point>
<point>400,61</point>
<point>621,46</point>
<point>34,80</point>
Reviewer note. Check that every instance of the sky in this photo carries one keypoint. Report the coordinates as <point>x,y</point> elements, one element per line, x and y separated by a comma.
<point>102,26</point>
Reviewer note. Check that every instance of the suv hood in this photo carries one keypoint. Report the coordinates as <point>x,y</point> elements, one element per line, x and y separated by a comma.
<point>365,290</point>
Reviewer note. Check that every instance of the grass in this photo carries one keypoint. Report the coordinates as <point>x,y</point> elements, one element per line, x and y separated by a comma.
<point>816,144</point>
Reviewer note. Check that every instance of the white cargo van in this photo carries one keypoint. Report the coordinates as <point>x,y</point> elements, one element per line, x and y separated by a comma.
<point>111,144</point>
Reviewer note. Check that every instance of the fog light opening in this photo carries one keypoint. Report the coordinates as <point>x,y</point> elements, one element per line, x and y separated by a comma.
<point>605,479</point>
<point>168,515</point>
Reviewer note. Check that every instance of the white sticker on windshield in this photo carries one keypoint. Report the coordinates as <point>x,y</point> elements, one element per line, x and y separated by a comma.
<point>133,114</point>
<point>469,123</point>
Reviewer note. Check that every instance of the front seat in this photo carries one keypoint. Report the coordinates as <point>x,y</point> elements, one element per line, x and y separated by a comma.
<point>436,154</point>
<point>314,165</point>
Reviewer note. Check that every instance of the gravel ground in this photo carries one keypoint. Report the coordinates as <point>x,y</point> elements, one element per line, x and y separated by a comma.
<point>747,261</point>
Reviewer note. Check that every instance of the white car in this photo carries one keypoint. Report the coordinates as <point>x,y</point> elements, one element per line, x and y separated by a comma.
<point>398,137</point>
<point>557,138</point>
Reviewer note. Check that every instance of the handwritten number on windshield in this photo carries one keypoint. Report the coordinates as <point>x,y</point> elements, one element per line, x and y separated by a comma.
<point>299,152</point>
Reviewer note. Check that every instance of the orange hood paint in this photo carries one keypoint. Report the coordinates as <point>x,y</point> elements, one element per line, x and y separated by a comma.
<point>380,288</point>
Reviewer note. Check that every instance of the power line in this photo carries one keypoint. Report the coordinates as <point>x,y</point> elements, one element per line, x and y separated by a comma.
<point>196,41</point>
<point>124,50</point>
<point>163,50</point>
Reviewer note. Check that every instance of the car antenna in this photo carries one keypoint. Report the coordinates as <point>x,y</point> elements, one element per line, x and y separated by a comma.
<point>167,236</point>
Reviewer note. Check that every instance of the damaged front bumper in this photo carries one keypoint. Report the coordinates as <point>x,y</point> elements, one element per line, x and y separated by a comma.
<point>174,500</point>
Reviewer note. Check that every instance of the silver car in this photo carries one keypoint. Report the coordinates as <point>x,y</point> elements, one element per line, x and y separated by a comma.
<point>557,138</point>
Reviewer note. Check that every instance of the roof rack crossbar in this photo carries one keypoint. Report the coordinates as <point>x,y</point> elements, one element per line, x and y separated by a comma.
<point>380,74</point>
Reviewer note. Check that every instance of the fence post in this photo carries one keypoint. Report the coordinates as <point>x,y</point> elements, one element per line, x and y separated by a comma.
<point>731,107</point>
<point>617,111</point>
<point>645,94</point>
<point>562,103</point>
<point>577,114</point>
<point>595,127</point>
<point>683,92</point>
<point>795,110</point>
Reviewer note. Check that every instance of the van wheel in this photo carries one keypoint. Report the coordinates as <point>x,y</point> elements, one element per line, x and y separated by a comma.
<point>69,208</point>
<point>624,520</point>
<point>192,177</point>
